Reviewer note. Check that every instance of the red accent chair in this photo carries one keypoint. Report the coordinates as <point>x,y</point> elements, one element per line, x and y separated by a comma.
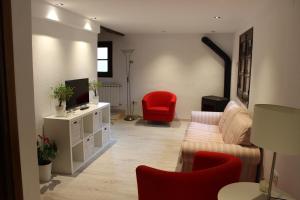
<point>159,106</point>
<point>211,172</point>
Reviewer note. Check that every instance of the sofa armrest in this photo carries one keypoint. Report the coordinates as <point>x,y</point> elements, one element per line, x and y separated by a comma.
<point>248,155</point>
<point>211,118</point>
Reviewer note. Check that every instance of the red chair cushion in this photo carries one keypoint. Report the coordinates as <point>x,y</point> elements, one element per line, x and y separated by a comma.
<point>159,110</point>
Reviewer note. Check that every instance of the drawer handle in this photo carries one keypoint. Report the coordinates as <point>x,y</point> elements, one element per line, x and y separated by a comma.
<point>88,139</point>
<point>105,128</point>
<point>75,122</point>
<point>96,113</point>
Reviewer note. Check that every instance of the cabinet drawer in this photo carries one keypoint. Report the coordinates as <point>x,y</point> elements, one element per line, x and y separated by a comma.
<point>88,147</point>
<point>105,128</point>
<point>105,133</point>
<point>97,120</point>
<point>75,130</point>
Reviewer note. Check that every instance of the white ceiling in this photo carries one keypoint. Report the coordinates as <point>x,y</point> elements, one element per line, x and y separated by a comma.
<point>172,16</point>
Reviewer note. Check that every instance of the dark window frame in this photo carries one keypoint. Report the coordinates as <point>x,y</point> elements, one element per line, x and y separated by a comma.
<point>109,73</point>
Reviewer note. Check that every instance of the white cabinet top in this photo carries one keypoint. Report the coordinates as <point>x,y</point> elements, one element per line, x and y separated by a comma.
<point>79,113</point>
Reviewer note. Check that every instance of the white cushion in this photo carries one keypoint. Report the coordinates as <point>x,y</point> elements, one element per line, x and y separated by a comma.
<point>230,111</point>
<point>238,131</point>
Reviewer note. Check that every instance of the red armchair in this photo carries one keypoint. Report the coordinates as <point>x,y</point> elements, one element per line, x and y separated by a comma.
<point>159,106</point>
<point>211,172</point>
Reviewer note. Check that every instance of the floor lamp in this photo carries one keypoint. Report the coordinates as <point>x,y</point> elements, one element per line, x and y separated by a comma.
<point>129,112</point>
<point>276,128</point>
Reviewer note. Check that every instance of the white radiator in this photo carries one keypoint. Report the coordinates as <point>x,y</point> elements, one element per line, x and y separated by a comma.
<point>111,92</point>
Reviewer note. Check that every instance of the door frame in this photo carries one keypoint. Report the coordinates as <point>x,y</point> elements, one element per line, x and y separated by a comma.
<point>10,169</point>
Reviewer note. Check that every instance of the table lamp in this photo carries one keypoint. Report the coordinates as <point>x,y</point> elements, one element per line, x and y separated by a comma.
<point>276,128</point>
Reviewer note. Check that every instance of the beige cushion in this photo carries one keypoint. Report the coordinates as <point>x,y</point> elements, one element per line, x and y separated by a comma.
<point>230,111</point>
<point>204,137</point>
<point>194,126</point>
<point>238,131</point>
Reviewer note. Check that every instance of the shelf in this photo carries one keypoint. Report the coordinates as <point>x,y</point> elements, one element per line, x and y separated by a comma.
<point>77,156</point>
<point>79,136</point>
<point>77,165</point>
<point>97,131</point>
<point>77,142</point>
<point>87,135</point>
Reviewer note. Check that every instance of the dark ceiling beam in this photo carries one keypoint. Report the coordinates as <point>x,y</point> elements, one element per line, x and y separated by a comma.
<point>111,31</point>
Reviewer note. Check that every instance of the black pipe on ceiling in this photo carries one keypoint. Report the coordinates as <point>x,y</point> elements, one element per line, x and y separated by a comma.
<point>227,64</point>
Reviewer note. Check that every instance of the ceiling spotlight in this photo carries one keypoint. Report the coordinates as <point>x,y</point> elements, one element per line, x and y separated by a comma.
<point>59,4</point>
<point>93,18</point>
<point>217,17</point>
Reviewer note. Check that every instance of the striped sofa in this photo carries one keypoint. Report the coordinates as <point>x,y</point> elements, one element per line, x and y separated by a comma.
<point>227,132</point>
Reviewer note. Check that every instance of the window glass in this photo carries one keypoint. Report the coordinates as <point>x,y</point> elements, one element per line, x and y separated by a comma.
<point>102,66</point>
<point>102,53</point>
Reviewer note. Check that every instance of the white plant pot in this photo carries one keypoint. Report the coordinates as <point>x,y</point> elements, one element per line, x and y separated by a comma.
<point>95,100</point>
<point>45,172</point>
<point>60,111</point>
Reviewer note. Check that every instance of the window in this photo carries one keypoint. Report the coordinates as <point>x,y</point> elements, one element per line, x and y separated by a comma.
<point>104,59</point>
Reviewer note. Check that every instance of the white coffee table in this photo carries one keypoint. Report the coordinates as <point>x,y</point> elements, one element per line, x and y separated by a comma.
<point>248,191</point>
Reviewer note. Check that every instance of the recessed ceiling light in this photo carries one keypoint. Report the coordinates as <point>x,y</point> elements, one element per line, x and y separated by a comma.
<point>217,17</point>
<point>163,31</point>
<point>59,4</point>
<point>213,31</point>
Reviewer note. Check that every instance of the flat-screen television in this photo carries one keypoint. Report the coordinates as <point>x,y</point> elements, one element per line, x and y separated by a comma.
<point>81,93</point>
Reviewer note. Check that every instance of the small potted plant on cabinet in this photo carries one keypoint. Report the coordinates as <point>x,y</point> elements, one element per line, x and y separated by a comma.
<point>46,151</point>
<point>62,93</point>
<point>94,86</point>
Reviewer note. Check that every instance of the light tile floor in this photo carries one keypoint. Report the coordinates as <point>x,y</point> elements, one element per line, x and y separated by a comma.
<point>112,175</point>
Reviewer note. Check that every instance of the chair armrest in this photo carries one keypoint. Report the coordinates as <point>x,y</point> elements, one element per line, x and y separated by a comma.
<point>249,155</point>
<point>172,104</point>
<point>211,118</point>
<point>145,104</point>
<point>173,99</point>
<point>206,160</point>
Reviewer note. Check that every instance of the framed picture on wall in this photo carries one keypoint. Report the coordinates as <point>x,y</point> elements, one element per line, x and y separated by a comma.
<point>244,66</point>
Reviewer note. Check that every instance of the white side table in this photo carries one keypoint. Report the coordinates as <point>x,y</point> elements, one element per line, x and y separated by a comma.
<point>248,191</point>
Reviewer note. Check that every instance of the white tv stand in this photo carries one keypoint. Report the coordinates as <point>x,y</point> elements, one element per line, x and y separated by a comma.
<point>80,136</point>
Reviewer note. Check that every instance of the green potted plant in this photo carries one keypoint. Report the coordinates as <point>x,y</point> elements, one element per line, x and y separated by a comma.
<point>94,86</point>
<point>46,152</point>
<point>62,93</point>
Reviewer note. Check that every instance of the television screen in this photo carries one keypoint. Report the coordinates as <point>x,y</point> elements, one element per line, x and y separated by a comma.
<point>81,92</point>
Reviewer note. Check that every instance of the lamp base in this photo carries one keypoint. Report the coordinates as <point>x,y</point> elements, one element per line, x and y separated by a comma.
<point>129,118</point>
<point>265,197</point>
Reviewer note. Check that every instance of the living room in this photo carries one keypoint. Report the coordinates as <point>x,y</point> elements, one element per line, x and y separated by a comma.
<point>57,41</point>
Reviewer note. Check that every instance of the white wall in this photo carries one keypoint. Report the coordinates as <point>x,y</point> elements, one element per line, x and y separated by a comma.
<point>21,19</point>
<point>44,10</point>
<point>179,63</point>
<point>276,74</point>
<point>60,52</point>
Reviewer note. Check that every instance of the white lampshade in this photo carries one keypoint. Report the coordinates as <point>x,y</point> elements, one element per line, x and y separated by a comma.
<point>276,128</point>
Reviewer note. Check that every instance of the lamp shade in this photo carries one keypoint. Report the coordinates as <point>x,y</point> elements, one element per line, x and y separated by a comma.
<point>276,128</point>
